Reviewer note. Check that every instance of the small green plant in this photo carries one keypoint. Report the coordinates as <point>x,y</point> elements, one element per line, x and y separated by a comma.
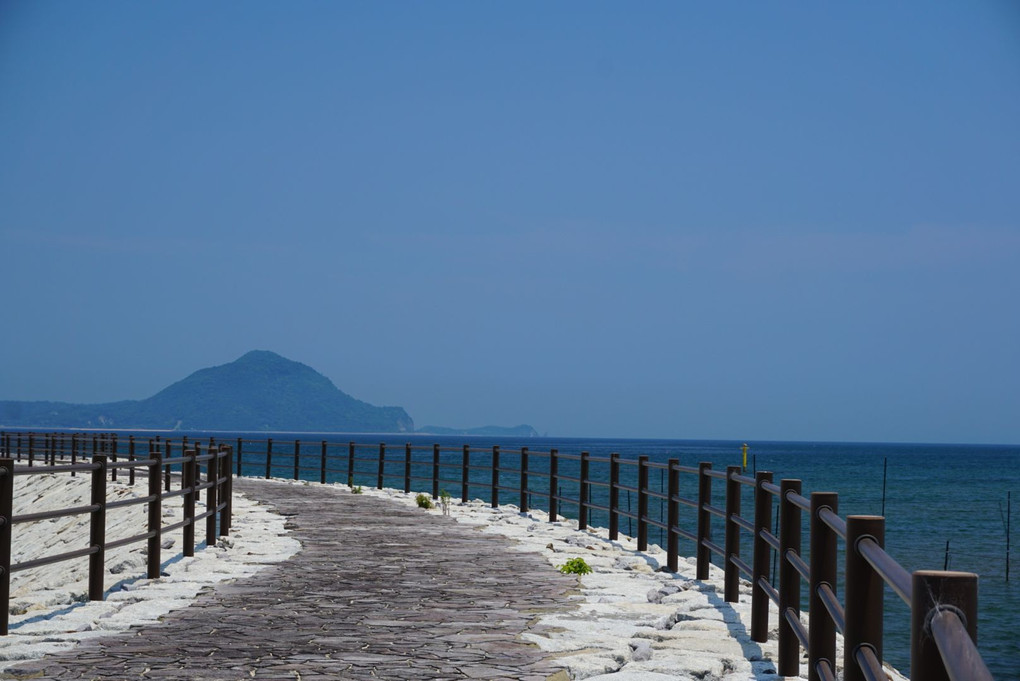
<point>444,501</point>
<point>356,490</point>
<point>575,566</point>
<point>423,501</point>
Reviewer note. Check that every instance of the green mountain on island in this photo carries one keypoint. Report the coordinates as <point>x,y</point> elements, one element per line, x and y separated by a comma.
<point>261,391</point>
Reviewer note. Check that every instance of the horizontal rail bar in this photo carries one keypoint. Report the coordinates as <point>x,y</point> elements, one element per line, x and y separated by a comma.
<point>769,590</point>
<point>798,500</point>
<point>869,663</point>
<point>832,605</point>
<point>56,558</point>
<point>129,540</point>
<point>743,480</point>
<point>769,538</point>
<point>58,513</point>
<point>718,475</point>
<point>794,559</point>
<point>772,488</point>
<point>830,518</point>
<point>742,566</point>
<point>713,547</point>
<point>743,523</point>
<point>133,501</point>
<point>887,568</point>
<point>44,470</point>
<point>793,619</point>
<point>686,534</point>
<point>715,510</point>
<point>959,654</point>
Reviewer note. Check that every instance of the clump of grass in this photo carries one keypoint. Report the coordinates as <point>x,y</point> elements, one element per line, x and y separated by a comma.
<point>423,501</point>
<point>356,490</point>
<point>575,566</point>
<point>444,501</point>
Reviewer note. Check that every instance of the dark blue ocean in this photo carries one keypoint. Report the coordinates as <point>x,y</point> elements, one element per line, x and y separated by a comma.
<point>931,495</point>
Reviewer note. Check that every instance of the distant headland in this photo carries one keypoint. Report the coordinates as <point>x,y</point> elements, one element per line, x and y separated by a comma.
<point>260,391</point>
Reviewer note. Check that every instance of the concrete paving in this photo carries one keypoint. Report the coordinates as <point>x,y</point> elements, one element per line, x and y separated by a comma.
<point>378,590</point>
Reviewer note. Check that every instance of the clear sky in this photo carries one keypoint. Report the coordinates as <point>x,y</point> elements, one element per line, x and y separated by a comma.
<point>738,220</point>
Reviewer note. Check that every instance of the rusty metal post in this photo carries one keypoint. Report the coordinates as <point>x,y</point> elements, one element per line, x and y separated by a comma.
<point>322,463</point>
<point>74,451</point>
<point>465,473</point>
<point>935,591</point>
<point>6,516</point>
<point>673,517</point>
<point>762,552</point>
<point>112,447</point>
<point>297,459</point>
<point>211,496</point>
<point>97,529</point>
<point>731,588</point>
<point>582,493</point>
<point>188,485</point>
<point>823,541</point>
<point>239,452</point>
<point>31,449</point>
<point>381,473</point>
<point>789,579</point>
<point>524,479</point>
<point>155,512</point>
<point>554,480</point>
<point>495,476</point>
<point>166,467</point>
<point>435,471</point>
<point>704,519</point>
<point>642,503</point>
<point>269,458</point>
<point>865,591</point>
<point>407,467</point>
<point>614,496</point>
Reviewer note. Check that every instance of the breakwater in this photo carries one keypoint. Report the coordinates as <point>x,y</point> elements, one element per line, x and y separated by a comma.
<point>552,478</point>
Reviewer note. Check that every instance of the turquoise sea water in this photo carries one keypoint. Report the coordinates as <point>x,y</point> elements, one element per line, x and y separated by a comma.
<point>933,494</point>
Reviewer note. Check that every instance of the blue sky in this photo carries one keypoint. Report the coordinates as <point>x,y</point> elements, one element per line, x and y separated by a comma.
<point>727,220</point>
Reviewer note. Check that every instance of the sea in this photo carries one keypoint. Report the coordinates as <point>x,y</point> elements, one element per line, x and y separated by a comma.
<point>947,506</point>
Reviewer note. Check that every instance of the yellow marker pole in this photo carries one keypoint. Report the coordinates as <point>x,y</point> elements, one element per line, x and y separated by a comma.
<point>745,456</point>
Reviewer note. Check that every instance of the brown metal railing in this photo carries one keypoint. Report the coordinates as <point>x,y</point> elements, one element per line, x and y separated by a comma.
<point>943,604</point>
<point>217,462</point>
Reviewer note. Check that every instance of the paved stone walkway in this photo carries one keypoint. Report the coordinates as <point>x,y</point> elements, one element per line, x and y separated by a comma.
<point>377,591</point>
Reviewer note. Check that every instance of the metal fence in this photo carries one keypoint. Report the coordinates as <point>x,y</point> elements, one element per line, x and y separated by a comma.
<point>101,466</point>
<point>681,507</point>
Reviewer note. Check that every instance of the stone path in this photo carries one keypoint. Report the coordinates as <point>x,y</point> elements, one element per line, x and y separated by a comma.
<point>378,590</point>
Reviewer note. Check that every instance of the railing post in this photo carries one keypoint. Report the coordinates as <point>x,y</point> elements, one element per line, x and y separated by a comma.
<point>554,481</point>
<point>495,476</point>
<point>642,503</point>
<point>188,484</point>
<point>407,467</point>
<point>211,496</point>
<point>227,514</point>
<point>74,451</point>
<point>269,458</point>
<point>614,496</point>
<point>350,464</point>
<point>524,479</point>
<point>731,588</point>
<point>382,466</point>
<point>322,464</point>
<point>673,516</point>
<point>582,493</point>
<point>297,459</point>
<point>166,467</point>
<point>865,591</point>
<point>464,472</point>
<point>435,471</point>
<point>97,529</point>
<point>789,579</point>
<point>704,519</point>
<point>112,446</point>
<point>934,591</point>
<point>31,449</point>
<point>6,515</point>
<point>131,458</point>
<point>239,452</point>
<point>762,552</point>
<point>823,540</point>
<point>155,512</point>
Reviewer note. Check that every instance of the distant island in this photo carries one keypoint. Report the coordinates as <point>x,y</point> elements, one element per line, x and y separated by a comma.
<point>259,392</point>
<point>522,430</point>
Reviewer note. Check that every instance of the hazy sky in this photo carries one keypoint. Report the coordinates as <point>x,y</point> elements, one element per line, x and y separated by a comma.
<point>694,220</point>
